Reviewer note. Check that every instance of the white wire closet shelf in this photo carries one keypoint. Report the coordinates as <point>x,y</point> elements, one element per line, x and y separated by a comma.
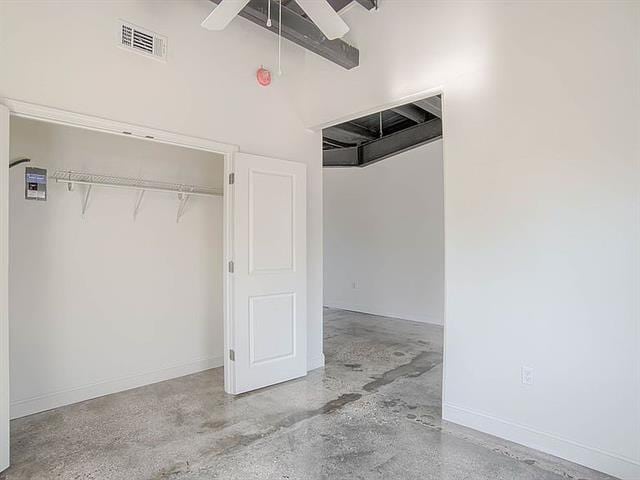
<point>183,190</point>
<point>71,177</point>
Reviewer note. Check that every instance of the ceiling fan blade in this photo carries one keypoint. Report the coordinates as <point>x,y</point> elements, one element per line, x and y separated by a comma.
<point>223,14</point>
<point>325,17</point>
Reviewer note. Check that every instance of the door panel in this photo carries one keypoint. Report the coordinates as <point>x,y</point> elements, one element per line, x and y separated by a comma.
<point>4,287</point>
<point>272,327</point>
<point>269,313</point>
<point>271,222</point>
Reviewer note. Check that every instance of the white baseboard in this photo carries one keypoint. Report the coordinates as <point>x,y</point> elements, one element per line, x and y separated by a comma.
<point>315,362</point>
<point>382,313</point>
<point>29,406</point>
<point>609,463</point>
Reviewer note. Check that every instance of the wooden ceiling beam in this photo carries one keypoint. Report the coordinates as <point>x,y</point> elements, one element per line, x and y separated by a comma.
<point>303,32</point>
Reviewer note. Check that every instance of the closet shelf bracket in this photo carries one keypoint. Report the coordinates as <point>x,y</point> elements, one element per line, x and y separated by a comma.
<point>182,205</point>
<point>136,209</point>
<point>85,201</point>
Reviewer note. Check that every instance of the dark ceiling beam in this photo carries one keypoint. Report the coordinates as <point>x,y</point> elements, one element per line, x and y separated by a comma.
<point>339,136</point>
<point>339,4</point>
<point>350,132</point>
<point>433,105</point>
<point>410,111</point>
<point>384,147</point>
<point>291,5</point>
<point>401,141</point>
<point>335,143</point>
<point>303,32</point>
<point>368,4</point>
<point>341,157</point>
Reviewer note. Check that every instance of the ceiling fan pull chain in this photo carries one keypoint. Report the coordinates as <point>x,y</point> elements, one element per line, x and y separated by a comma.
<point>279,38</point>
<point>269,13</point>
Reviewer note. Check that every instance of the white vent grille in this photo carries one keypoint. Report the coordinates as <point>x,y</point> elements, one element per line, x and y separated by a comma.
<point>142,41</point>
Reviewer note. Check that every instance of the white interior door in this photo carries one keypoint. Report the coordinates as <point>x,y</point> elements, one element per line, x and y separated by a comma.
<point>269,279</point>
<point>4,287</point>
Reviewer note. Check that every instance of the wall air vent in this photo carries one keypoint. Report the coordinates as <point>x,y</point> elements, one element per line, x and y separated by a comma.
<point>142,41</point>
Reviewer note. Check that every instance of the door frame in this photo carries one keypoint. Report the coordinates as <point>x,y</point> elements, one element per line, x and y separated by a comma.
<point>18,108</point>
<point>430,92</point>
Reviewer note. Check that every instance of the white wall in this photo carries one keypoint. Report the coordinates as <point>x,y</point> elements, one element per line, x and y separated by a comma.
<point>384,232</point>
<point>103,303</point>
<point>64,55</point>
<point>542,190</point>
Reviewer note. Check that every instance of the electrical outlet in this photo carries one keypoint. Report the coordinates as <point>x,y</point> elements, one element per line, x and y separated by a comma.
<point>527,376</point>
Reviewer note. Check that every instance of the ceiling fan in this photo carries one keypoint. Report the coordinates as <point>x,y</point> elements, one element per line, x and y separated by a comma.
<point>319,11</point>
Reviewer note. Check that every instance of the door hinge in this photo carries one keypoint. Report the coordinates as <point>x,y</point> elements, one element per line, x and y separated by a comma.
<point>232,178</point>
<point>231,266</point>
<point>232,355</point>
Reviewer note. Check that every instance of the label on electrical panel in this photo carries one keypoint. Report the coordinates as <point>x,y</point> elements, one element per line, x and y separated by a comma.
<point>35,184</point>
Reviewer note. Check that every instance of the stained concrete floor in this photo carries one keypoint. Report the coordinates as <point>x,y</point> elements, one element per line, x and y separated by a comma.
<point>372,413</point>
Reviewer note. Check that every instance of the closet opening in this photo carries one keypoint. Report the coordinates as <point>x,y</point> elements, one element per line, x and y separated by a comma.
<point>116,255</point>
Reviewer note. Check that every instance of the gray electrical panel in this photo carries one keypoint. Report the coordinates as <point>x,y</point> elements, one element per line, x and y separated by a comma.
<point>35,184</point>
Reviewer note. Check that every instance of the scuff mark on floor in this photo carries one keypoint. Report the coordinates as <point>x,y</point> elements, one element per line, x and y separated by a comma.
<point>419,365</point>
<point>230,443</point>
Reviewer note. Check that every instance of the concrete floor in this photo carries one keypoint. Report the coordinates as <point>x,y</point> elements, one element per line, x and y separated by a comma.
<point>372,413</point>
